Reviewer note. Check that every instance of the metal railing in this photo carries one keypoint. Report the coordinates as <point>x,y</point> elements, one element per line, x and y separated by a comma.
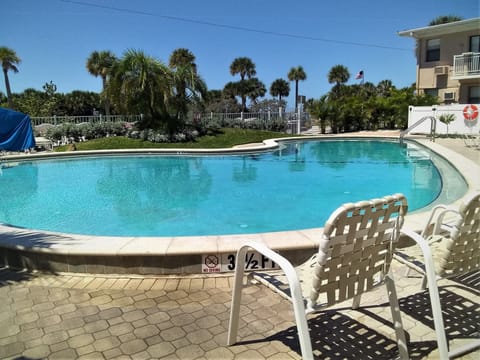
<point>433,127</point>
<point>58,120</point>
<point>289,118</point>
<point>466,65</point>
<point>250,116</point>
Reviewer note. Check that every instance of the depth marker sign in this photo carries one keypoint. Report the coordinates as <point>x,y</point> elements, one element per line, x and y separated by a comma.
<point>222,263</point>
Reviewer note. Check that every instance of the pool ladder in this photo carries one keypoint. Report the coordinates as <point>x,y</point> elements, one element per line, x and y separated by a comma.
<point>433,127</point>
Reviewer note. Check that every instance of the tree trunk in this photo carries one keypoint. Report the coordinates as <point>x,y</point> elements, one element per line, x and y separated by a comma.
<point>296,95</point>
<point>7,86</point>
<point>107,101</point>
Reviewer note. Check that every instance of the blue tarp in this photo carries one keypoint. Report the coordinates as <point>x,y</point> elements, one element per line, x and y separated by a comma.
<point>16,133</point>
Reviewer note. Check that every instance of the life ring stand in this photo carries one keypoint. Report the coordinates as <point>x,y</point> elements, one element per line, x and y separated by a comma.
<point>470,112</point>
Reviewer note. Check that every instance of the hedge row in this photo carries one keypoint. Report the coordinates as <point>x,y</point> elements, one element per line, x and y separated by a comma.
<point>68,132</point>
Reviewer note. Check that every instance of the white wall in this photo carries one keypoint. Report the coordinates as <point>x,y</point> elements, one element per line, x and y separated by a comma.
<point>459,126</point>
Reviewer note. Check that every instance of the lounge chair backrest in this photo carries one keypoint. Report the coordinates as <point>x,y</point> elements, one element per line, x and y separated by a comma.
<point>460,252</point>
<point>356,249</point>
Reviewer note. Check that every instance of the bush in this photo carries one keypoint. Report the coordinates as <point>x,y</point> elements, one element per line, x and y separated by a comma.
<point>87,131</point>
<point>54,133</point>
<point>193,129</point>
<point>160,137</point>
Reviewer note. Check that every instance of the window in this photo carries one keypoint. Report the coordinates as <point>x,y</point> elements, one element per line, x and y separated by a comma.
<point>474,95</point>
<point>431,92</point>
<point>474,43</point>
<point>433,50</point>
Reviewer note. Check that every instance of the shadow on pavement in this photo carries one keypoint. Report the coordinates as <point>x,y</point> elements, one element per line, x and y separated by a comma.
<point>337,336</point>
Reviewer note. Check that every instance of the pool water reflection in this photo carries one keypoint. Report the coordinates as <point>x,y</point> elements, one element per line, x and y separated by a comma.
<point>294,187</point>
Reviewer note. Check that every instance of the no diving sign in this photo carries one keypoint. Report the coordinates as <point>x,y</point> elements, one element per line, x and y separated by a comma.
<point>211,264</point>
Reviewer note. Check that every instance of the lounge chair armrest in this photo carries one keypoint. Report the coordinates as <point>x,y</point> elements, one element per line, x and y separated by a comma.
<point>432,287</point>
<point>420,240</point>
<point>295,289</point>
<point>434,218</point>
<point>282,262</point>
<point>439,222</point>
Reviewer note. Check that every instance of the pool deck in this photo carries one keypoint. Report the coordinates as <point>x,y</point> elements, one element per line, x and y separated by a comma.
<point>98,316</point>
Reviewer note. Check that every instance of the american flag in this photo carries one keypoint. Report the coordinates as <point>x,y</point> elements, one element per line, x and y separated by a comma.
<point>359,75</point>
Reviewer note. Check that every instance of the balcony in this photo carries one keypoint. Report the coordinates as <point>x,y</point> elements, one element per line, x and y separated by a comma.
<point>466,66</point>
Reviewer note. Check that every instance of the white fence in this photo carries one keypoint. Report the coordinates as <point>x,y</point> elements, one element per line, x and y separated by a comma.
<point>290,118</point>
<point>57,120</point>
<point>465,120</point>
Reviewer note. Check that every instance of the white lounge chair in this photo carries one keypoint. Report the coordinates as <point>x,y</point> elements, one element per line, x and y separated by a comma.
<point>448,246</point>
<point>471,141</point>
<point>354,257</point>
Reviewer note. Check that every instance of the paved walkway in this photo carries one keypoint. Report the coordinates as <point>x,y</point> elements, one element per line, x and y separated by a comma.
<point>93,317</point>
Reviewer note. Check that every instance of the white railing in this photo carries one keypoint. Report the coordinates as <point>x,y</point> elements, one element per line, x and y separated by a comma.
<point>433,127</point>
<point>290,118</point>
<point>57,120</point>
<point>466,65</point>
<point>249,116</point>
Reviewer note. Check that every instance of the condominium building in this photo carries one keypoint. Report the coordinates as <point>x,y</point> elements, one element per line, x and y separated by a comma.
<point>448,61</point>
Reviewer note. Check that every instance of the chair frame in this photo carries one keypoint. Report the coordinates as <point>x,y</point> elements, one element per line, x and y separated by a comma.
<point>429,272</point>
<point>434,295</point>
<point>471,140</point>
<point>300,311</point>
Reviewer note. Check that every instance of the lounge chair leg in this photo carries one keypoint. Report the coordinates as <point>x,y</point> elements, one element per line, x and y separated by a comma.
<point>236,299</point>
<point>356,302</point>
<point>396,317</point>
<point>424,282</point>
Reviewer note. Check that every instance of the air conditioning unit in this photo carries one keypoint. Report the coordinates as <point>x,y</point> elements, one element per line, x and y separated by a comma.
<point>449,95</point>
<point>441,70</point>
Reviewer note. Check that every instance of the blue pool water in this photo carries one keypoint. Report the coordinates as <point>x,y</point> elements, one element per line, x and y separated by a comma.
<point>295,187</point>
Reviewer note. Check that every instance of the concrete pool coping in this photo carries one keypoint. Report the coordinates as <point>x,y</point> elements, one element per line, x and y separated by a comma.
<point>60,252</point>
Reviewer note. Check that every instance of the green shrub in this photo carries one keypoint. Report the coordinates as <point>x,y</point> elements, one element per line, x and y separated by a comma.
<point>87,131</point>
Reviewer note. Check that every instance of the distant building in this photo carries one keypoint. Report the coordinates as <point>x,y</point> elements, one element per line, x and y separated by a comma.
<point>448,61</point>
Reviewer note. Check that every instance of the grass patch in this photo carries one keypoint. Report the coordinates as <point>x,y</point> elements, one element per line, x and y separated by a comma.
<point>226,138</point>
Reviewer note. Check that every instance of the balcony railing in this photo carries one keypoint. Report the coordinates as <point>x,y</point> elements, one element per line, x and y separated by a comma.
<point>466,66</point>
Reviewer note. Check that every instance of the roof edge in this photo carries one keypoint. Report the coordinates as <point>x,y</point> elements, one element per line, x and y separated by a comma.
<point>447,28</point>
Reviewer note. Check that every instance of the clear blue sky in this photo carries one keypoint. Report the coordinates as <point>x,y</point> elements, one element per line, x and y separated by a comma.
<point>55,37</point>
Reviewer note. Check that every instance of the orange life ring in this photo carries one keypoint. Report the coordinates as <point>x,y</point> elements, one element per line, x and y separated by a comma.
<point>470,112</point>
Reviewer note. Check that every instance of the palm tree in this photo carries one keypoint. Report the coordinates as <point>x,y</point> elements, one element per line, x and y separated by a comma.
<point>444,20</point>
<point>9,59</point>
<point>188,86</point>
<point>338,75</point>
<point>384,88</point>
<point>100,63</point>
<point>256,89</point>
<point>141,84</point>
<point>243,66</point>
<point>182,57</point>
<point>246,69</point>
<point>296,74</point>
<point>280,88</point>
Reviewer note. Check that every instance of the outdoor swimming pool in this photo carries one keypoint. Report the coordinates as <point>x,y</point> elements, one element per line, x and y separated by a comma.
<point>294,187</point>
